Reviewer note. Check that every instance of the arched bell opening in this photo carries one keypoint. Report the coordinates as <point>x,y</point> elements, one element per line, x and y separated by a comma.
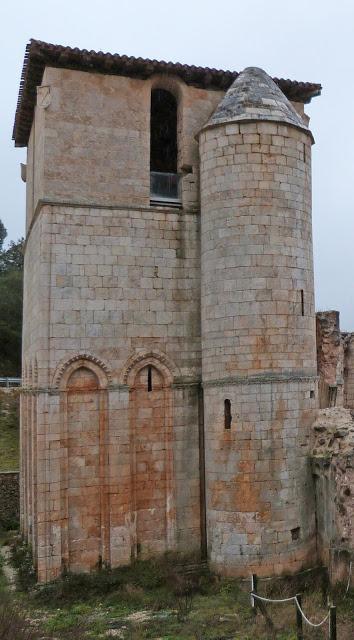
<point>164,179</point>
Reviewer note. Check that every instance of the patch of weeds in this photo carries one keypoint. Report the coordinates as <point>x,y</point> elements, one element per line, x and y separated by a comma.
<point>160,599</point>
<point>81,609</point>
<point>61,621</point>
<point>22,560</point>
<point>132,582</point>
<point>77,619</point>
<point>7,537</point>
<point>12,625</point>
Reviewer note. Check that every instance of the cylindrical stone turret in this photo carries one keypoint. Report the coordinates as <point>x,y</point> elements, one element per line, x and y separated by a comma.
<point>258,329</point>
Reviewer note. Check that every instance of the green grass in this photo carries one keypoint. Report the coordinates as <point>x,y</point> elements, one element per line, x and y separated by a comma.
<point>157,599</point>
<point>9,430</point>
<point>152,600</point>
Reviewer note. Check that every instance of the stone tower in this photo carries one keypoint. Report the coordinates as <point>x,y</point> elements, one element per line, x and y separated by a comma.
<point>258,329</point>
<point>131,336</point>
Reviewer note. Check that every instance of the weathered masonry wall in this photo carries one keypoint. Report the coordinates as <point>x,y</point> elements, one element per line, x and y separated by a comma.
<point>120,288</point>
<point>90,141</point>
<point>111,307</point>
<point>333,469</point>
<point>258,345</point>
<point>9,500</point>
<point>335,360</point>
<point>349,370</point>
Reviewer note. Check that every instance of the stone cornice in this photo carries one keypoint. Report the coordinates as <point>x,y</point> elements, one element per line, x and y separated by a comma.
<point>264,378</point>
<point>54,391</point>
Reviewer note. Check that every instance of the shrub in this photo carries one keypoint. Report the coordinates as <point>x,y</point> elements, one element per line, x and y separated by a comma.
<point>22,560</point>
<point>12,626</point>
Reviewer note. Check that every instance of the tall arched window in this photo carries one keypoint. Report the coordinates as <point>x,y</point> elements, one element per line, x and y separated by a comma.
<point>163,147</point>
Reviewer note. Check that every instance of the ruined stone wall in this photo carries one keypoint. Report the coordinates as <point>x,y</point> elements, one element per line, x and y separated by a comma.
<point>330,359</point>
<point>349,370</point>
<point>9,500</point>
<point>258,346</point>
<point>333,468</point>
<point>335,361</point>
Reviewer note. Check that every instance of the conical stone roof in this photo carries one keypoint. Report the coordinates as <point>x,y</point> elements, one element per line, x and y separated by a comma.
<point>254,96</point>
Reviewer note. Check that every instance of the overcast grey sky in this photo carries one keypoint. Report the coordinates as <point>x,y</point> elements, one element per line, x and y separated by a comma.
<point>308,40</point>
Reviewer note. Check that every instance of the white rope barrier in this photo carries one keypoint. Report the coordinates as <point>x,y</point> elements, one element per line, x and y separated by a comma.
<point>312,624</point>
<point>255,595</point>
<point>292,599</point>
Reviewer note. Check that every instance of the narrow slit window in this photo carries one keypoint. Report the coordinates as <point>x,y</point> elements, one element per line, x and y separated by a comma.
<point>302,302</point>
<point>227,414</point>
<point>149,384</point>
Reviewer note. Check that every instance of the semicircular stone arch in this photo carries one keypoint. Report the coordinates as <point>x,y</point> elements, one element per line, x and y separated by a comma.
<point>173,84</point>
<point>145,358</point>
<point>66,368</point>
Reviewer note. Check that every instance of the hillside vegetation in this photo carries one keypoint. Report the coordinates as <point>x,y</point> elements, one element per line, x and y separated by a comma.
<point>9,430</point>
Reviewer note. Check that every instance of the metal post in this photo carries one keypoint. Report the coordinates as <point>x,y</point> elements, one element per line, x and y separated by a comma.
<point>333,623</point>
<point>253,590</point>
<point>300,634</point>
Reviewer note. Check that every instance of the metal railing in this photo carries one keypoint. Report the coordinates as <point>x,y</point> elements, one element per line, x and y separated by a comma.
<point>165,187</point>
<point>10,382</point>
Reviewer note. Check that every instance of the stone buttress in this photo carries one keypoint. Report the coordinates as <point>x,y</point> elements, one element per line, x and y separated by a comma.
<point>258,330</point>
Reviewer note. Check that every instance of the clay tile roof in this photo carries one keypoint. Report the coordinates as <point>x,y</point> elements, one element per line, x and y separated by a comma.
<point>39,54</point>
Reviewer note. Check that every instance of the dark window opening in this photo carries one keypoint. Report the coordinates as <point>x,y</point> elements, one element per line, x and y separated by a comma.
<point>163,149</point>
<point>163,146</point>
<point>312,393</point>
<point>227,414</point>
<point>295,533</point>
<point>149,385</point>
<point>332,395</point>
<point>302,303</point>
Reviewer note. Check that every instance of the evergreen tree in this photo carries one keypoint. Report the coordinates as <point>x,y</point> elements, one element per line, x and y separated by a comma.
<point>12,257</point>
<point>3,234</point>
<point>11,283</point>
